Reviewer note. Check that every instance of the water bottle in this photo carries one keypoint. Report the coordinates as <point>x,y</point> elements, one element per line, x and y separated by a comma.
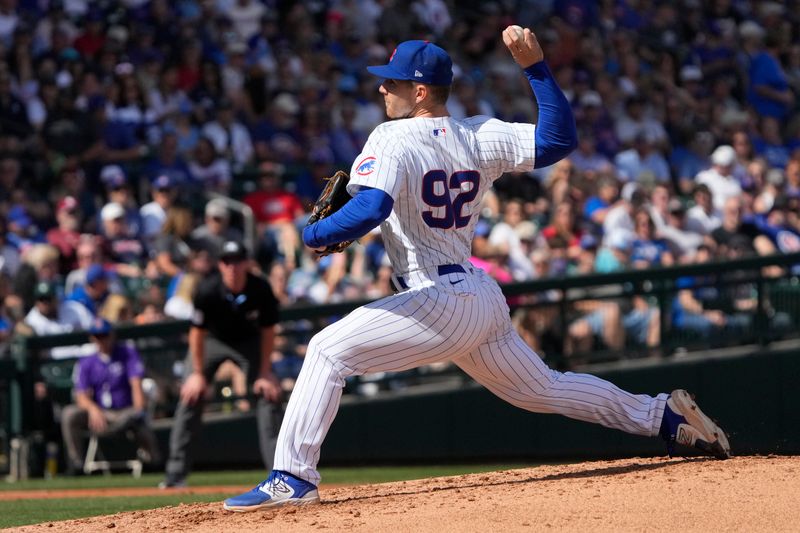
<point>51,460</point>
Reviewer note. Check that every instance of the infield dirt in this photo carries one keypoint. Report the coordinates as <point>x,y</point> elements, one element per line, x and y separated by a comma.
<point>641,494</point>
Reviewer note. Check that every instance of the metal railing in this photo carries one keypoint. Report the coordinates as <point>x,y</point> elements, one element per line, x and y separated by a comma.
<point>163,344</point>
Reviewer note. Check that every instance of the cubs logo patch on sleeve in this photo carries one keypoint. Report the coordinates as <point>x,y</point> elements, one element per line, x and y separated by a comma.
<point>366,166</point>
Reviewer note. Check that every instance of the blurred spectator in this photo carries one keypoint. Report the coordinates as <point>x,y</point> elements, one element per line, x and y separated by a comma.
<point>734,232</point>
<point>122,247</point>
<point>108,397</point>
<point>636,126</point>
<point>675,230</point>
<point>66,235</point>
<point>776,233</point>
<point>171,251</point>
<point>209,171</point>
<point>118,191</point>
<point>702,217</point>
<point>768,91</point>
<point>43,316</point>
<point>506,237</point>
<point>231,138</point>
<point>719,178</point>
<point>696,308</point>
<point>277,211</point>
<point>642,161</point>
<point>83,305</point>
<point>564,227</point>
<point>154,214</point>
<point>647,250</point>
<point>586,158</point>
<point>216,230</point>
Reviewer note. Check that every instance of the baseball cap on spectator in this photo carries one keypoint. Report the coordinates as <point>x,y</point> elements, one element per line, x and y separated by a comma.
<point>233,251</point>
<point>112,211</point>
<point>287,103</point>
<point>750,29</point>
<point>100,326</point>
<point>723,156</point>
<point>691,73</point>
<point>44,290</point>
<point>419,61</point>
<point>163,182</point>
<point>217,208</point>
<point>112,176</point>
<point>68,203</point>
<point>591,99</point>
<point>94,273</point>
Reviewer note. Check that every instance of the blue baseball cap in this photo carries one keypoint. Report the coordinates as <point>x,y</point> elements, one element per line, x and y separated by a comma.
<point>95,272</point>
<point>100,326</point>
<point>164,181</point>
<point>419,61</point>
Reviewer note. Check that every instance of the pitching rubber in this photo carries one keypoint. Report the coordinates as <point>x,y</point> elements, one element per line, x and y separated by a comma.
<point>713,435</point>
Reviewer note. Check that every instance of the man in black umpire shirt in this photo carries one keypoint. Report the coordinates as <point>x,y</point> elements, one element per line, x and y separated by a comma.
<point>234,318</point>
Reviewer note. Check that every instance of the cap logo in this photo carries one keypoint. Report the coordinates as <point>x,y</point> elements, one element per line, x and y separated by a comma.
<point>392,56</point>
<point>417,74</point>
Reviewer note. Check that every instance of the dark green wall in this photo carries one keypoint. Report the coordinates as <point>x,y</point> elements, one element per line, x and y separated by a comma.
<point>754,397</point>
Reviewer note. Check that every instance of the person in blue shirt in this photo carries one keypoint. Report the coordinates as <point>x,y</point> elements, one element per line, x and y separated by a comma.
<point>646,250</point>
<point>768,91</point>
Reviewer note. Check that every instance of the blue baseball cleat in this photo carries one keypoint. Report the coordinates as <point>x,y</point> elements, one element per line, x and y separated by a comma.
<point>280,488</point>
<point>686,424</point>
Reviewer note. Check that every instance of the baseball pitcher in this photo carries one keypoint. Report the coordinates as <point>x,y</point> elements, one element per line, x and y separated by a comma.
<point>421,177</point>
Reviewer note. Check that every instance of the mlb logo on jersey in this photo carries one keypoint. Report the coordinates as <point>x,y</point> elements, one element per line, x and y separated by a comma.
<point>366,166</point>
<point>439,132</point>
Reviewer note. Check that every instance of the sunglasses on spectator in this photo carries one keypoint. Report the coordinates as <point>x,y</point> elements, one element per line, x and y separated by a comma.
<point>232,260</point>
<point>100,336</point>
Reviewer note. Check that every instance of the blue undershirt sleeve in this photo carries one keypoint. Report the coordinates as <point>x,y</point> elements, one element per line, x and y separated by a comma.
<point>368,208</point>
<point>555,133</point>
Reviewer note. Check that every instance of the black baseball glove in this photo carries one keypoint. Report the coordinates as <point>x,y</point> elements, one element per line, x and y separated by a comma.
<point>333,197</point>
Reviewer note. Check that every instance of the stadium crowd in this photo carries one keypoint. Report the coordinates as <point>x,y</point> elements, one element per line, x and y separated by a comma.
<point>125,125</point>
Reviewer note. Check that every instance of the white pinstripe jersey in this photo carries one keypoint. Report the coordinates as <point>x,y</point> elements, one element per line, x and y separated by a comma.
<point>437,171</point>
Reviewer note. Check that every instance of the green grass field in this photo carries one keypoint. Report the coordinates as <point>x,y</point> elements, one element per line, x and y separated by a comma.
<point>22,512</point>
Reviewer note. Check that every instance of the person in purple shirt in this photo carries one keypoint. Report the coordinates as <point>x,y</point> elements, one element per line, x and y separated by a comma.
<point>108,397</point>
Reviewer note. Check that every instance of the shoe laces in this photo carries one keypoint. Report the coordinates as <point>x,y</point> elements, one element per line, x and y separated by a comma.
<point>274,479</point>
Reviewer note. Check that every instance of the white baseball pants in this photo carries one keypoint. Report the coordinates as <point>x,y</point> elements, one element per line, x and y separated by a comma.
<point>458,317</point>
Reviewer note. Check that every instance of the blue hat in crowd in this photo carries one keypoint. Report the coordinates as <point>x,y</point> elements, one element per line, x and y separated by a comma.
<point>419,61</point>
<point>19,216</point>
<point>164,181</point>
<point>94,273</point>
<point>100,326</point>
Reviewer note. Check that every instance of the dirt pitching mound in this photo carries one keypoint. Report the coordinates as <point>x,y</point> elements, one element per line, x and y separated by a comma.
<point>741,494</point>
